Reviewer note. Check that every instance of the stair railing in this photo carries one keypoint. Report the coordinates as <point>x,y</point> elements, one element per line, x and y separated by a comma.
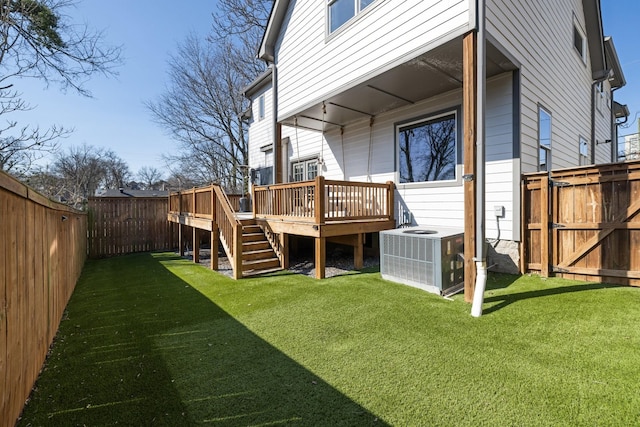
<point>228,228</point>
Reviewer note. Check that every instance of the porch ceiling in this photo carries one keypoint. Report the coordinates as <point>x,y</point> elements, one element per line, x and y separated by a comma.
<point>435,72</point>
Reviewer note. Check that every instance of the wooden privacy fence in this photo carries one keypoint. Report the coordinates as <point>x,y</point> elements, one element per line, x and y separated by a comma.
<point>42,251</point>
<point>583,223</point>
<point>119,225</point>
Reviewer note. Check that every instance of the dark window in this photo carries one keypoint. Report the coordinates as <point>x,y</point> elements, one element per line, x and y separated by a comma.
<point>340,11</point>
<point>427,150</point>
<point>544,139</point>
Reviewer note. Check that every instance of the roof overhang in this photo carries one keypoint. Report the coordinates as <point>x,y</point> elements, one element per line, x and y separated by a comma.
<point>276,18</point>
<point>613,63</point>
<point>261,81</point>
<point>595,38</point>
<point>620,111</point>
<point>435,72</point>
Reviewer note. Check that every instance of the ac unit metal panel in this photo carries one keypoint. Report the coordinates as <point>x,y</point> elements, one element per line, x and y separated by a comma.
<point>426,258</point>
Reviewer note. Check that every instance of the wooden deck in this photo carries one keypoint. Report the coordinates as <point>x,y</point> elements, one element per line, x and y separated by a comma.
<point>326,210</point>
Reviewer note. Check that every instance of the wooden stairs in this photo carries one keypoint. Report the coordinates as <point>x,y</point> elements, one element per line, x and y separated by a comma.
<point>258,256</point>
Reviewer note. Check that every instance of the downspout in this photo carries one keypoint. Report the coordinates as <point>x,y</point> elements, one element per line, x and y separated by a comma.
<point>593,113</point>
<point>274,96</point>
<point>481,256</point>
<point>614,128</point>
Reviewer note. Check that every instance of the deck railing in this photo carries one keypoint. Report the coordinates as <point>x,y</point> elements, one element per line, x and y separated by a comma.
<point>212,203</point>
<point>323,201</point>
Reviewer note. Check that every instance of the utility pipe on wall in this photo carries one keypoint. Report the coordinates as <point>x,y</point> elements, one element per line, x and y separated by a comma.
<point>481,256</point>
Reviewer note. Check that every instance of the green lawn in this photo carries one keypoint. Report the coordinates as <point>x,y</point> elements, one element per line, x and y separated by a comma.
<point>154,339</point>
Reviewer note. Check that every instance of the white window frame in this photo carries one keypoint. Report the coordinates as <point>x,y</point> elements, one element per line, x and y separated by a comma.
<point>358,7</point>
<point>455,111</point>
<point>309,169</point>
<point>261,107</point>
<point>583,151</point>
<point>544,147</point>
<point>578,32</point>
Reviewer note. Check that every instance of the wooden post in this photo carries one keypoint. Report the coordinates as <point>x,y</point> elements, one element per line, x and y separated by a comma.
<point>237,251</point>
<point>358,252</point>
<point>321,251</point>
<point>213,205</point>
<point>284,250</point>
<point>544,226</point>
<point>469,94</point>
<point>214,246</point>
<point>319,200</point>
<point>277,156</point>
<point>196,245</point>
<point>180,240</point>
<point>193,199</point>
<point>391,207</point>
<point>524,208</point>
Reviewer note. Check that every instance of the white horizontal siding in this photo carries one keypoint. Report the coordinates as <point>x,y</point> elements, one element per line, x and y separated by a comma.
<point>540,37</point>
<point>260,130</point>
<point>370,155</point>
<point>312,65</point>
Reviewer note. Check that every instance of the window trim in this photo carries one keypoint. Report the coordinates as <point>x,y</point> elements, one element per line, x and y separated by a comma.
<point>577,29</point>
<point>540,146</point>
<point>359,12</point>
<point>261,107</point>
<point>304,161</point>
<point>457,181</point>
<point>583,141</point>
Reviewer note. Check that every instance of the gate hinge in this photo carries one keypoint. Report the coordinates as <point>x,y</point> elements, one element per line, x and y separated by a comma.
<point>556,225</point>
<point>559,183</point>
<point>557,269</point>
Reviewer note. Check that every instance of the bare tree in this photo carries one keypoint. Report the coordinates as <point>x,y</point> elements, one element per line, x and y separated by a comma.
<point>81,170</point>
<point>38,41</point>
<point>149,177</point>
<point>204,103</point>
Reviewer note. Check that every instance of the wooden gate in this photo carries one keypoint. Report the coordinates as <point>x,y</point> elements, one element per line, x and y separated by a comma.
<point>583,223</point>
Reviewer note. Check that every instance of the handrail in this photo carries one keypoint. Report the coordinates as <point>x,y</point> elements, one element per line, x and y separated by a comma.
<point>212,203</point>
<point>321,201</point>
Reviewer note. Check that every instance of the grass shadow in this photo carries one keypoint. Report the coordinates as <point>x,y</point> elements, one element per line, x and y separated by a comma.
<point>140,346</point>
<point>503,300</point>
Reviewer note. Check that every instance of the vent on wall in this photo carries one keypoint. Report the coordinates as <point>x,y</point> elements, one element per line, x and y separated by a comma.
<point>426,258</point>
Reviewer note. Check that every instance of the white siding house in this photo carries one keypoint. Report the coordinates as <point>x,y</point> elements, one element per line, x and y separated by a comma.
<point>361,83</point>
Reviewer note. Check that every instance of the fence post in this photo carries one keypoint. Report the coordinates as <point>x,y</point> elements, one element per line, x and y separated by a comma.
<point>544,226</point>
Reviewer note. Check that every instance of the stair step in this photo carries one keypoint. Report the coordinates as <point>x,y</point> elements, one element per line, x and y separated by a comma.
<point>253,237</point>
<point>250,229</point>
<point>262,264</point>
<point>255,246</point>
<point>256,255</point>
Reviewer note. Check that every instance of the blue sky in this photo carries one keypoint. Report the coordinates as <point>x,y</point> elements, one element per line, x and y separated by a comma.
<point>149,31</point>
<point>115,117</point>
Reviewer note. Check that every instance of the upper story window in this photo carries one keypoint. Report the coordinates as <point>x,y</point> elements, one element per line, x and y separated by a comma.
<point>261,107</point>
<point>340,11</point>
<point>579,40</point>
<point>427,149</point>
<point>544,139</point>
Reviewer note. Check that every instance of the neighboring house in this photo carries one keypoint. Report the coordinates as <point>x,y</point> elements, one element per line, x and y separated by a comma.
<point>631,148</point>
<point>373,91</point>
<point>129,193</point>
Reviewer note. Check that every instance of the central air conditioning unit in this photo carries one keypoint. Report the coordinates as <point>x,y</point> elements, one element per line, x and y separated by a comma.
<point>426,258</point>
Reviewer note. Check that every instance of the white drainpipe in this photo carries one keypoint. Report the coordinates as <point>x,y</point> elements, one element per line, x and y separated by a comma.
<point>481,256</point>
